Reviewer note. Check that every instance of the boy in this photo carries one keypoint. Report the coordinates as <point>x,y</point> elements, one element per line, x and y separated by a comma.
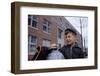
<point>71,50</point>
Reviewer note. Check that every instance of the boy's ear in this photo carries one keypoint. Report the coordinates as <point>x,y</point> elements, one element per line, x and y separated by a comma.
<point>76,39</point>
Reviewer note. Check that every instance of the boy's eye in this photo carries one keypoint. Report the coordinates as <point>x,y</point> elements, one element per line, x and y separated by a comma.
<point>68,36</point>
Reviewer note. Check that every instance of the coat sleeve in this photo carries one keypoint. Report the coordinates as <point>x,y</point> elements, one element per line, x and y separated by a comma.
<point>62,51</point>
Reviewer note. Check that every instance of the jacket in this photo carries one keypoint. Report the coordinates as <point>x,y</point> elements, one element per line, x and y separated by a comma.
<point>74,52</point>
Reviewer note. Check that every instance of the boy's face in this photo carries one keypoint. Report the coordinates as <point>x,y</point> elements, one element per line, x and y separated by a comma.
<point>70,38</point>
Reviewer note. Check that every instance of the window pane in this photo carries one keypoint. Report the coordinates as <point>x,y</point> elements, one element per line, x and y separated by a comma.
<point>59,45</point>
<point>33,39</point>
<point>34,24</point>
<point>46,43</point>
<point>34,18</point>
<point>33,48</point>
<point>46,26</point>
<point>34,21</point>
<point>29,19</point>
<point>60,33</point>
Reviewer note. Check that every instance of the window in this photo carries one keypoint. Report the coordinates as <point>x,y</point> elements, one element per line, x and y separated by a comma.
<point>32,42</point>
<point>46,26</point>
<point>46,43</point>
<point>60,33</point>
<point>32,20</point>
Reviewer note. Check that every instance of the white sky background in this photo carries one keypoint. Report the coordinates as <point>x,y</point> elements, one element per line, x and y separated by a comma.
<point>80,21</point>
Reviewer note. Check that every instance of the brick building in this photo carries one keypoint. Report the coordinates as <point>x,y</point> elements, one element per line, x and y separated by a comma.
<point>46,30</point>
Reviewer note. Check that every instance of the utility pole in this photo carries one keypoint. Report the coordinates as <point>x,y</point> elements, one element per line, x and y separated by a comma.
<point>81,33</point>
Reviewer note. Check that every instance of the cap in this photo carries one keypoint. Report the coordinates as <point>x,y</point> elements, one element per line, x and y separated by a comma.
<point>70,30</point>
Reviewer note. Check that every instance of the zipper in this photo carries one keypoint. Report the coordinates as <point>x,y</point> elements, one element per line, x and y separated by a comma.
<point>71,52</point>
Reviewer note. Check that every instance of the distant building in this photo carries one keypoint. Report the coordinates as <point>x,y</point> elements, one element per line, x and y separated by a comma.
<point>46,30</point>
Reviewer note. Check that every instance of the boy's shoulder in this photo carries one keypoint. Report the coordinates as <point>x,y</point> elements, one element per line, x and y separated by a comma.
<point>62,48</point>
<point>77,46</point>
